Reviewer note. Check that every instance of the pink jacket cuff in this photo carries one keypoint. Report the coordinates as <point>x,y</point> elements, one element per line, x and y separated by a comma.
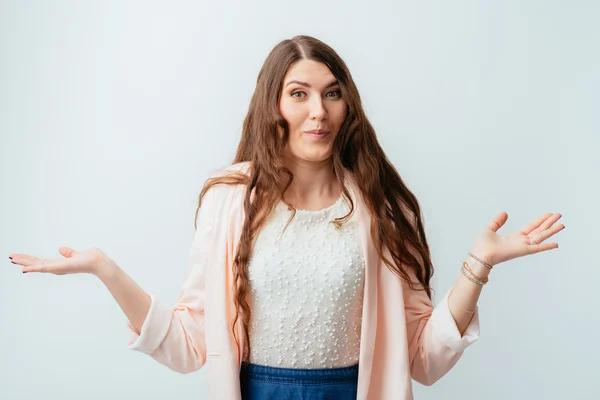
<point>445,329</point>
<point>154,328</point>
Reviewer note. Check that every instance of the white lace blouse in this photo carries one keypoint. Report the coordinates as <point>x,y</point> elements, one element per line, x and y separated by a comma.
<point>306,290</point>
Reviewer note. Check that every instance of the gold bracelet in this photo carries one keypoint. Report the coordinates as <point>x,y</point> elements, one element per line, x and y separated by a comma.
<point>484,281</point>
<point>469,277</point>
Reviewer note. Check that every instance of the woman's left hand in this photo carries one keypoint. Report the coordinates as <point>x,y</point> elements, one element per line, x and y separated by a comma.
<point>494,248</point>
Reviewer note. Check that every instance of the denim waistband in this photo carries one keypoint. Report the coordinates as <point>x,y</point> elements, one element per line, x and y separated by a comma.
<point>317,376</point>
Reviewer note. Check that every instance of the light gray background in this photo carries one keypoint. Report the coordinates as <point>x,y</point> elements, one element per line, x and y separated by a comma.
<point>113,113</point>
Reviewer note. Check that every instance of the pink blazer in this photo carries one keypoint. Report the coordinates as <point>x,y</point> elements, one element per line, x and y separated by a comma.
<point>402,336</point>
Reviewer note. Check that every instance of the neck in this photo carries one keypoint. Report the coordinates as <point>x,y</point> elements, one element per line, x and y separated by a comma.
<point>313,181</point>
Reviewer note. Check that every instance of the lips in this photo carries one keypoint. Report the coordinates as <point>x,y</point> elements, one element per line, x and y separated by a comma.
<point>317,132</point>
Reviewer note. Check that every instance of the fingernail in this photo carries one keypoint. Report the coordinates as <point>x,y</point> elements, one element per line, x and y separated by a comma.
<point>12,262</point>
<point>24,272</point>
<point>10,257</point>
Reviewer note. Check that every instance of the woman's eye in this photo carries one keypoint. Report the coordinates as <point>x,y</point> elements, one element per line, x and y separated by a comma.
<point>338,93</point>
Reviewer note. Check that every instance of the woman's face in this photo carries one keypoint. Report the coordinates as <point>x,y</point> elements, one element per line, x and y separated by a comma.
<point>311,100</point>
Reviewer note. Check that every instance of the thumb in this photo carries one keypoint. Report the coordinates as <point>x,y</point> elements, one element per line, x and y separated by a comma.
<point>498,222</point>
<point>67,252</point>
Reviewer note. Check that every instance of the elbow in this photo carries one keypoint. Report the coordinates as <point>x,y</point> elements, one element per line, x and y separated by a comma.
<point>182,348</point>
<point>182,356</point>
<point>424,379</point>
<point>183,366</point>
<point>418,374</point>
<point>185,371</point>
<point>428,370</point>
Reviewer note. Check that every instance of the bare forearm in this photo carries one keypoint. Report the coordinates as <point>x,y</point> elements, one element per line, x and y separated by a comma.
<point>132,299</point>
<point>465,295</point>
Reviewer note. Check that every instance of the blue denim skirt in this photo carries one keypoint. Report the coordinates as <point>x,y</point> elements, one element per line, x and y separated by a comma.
<point>261,382</point>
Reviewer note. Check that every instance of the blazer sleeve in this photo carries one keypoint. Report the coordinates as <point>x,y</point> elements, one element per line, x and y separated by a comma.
<point>174,335</point>
<point>434,342</point>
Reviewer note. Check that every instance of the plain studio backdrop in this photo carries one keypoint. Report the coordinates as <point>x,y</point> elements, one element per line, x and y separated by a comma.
<point>113,113</point>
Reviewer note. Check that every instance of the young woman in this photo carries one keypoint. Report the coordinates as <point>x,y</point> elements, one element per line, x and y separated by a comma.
<point>309,273</point>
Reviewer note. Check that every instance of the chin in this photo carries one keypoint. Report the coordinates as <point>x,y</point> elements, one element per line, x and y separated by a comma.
<point>315,157</point>
<point>310,153</point>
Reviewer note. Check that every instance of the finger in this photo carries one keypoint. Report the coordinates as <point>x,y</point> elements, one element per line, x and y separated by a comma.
<point>60,266</point>
<point>536,248</point>
<point>45,266</point>
<point>548,223</point>
<point>21,260</point>
<point>529,228</point>
<point>541,236</point>
<point>22,256</point>
<point>498,222</point>
<point>67,252</point>
<point>34,266</point>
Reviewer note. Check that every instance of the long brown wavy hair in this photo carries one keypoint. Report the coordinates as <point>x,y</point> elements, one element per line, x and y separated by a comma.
<point>396,216</point>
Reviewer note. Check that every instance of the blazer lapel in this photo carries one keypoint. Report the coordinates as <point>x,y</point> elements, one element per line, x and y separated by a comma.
<point>369,312</point>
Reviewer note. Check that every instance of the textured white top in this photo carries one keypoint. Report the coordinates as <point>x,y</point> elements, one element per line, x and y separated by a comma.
<point>306,290</point>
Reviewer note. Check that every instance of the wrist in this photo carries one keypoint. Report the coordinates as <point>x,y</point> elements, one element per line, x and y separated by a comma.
<point>478,269</point>
<point>106,270</point>
<point>484,256</point>
<point>477,260</point>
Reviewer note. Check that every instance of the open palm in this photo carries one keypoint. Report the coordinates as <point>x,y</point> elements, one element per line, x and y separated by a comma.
<point>495,248</point>
<point>74,262</point>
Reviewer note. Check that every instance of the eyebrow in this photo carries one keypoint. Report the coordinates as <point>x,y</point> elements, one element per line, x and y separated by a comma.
<point>333,83</point>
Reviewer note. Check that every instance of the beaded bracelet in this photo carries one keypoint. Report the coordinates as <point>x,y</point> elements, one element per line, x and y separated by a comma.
<point>466,274</point>
<point>481,261</point>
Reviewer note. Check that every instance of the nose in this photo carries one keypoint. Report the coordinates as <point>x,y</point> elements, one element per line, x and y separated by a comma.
<point>317,109</point>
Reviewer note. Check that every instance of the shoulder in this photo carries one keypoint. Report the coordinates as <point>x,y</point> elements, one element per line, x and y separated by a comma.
<point>223,193</point>
<point>241,167</point>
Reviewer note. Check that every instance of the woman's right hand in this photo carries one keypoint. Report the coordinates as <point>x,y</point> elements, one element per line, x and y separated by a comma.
<point>91,261</point>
